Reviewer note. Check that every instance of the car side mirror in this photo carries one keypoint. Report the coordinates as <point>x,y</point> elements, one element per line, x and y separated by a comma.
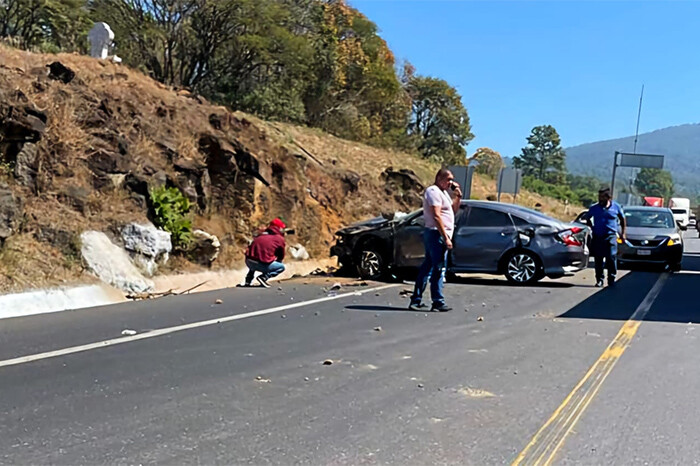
<point>679,223</point>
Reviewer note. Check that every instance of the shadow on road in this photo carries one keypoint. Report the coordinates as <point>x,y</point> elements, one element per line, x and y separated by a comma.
<point>370,308</point>
<point>677,302</point>
<point>467,280</point>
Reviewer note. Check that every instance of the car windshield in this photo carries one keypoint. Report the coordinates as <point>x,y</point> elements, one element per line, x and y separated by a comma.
<point>649,219</point>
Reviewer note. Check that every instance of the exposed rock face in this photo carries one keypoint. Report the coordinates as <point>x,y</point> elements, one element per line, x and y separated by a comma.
<point>149,247</point>
<point>10,213</point>
<point>111,264</point>
<point>60,72</point>
<point>22,126</point>
<point>404,184</point>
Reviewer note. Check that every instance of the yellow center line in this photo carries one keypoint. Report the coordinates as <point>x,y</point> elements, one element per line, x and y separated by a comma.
<point>547,442</point>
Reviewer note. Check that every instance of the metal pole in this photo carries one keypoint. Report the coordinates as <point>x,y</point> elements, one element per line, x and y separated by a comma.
<point>639,114</point>
<point>500,182</point>
<point>612,185</point>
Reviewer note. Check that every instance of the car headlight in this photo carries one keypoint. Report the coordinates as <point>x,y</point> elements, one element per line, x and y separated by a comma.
<point>673,240</point>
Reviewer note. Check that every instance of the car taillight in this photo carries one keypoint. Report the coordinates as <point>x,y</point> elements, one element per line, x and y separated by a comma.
<point>567,237</point>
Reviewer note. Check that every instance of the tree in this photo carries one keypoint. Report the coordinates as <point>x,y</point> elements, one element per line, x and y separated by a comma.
<point>543,157</point>
<point>49,25</point>
<point>489,161</point>
<point>439,122</point>
<point>654,182</point>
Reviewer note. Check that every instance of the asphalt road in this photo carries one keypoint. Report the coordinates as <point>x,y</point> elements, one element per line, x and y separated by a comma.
<point>248,385</point>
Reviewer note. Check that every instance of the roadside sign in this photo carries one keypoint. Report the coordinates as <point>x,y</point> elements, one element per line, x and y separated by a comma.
<point>624,159</point>
<point>641,160</point>
<point>509,181</point>
<point>463,176</point>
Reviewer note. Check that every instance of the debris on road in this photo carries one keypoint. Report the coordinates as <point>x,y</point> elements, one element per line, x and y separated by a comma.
<point>475,392</point>
<point>336,286</point>
<point>306,379</point>
<point>420,385</point>
<point>154,295</point>
<point>328,362</point>
<point>284,316</point>
<point>128,332</point>
<point>377,329</point>
<point>261,379</point>
<point>405,293</point>
<point>317,313</point>
<point>219,301</point>
<point>480,319</point>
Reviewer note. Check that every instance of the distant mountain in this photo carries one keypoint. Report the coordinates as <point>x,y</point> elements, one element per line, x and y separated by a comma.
<point>680,145</point>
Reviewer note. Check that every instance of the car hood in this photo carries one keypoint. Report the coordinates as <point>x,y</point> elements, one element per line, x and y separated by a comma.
<point>649,233</point>
<point>366,225</point>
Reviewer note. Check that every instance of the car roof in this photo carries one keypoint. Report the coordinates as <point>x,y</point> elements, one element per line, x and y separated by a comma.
<point>646,208</point>
<point>515,209</point>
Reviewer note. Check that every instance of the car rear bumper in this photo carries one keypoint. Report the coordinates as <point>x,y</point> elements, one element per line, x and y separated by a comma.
<point>565,261</point>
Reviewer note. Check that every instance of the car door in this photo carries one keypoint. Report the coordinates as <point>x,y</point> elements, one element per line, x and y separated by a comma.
<point>481,238</point>
<point>408,242</point>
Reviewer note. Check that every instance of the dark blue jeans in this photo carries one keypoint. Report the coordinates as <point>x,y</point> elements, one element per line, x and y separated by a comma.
<point>433,268</point>
<point>604,249</point>
<point>267,271</point>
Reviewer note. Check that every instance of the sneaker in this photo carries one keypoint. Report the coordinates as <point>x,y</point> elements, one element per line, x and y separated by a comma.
<point>417,307</point>
<point>263,282</point>
<point>599,284</point>
<point>440,308</point>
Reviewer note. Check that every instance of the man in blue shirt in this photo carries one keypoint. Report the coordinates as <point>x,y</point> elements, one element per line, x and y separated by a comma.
<point>608,221</point>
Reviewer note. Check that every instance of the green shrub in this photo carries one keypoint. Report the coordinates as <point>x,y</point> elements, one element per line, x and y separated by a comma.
<point>171,213</point>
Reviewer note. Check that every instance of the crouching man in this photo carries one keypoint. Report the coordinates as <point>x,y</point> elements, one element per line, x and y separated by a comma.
<point>266,253</point>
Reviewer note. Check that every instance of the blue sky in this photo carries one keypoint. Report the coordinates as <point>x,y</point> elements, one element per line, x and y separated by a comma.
<point>578,66</point>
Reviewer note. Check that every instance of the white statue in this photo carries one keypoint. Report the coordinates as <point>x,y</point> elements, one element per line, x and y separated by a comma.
<point>100,37</point>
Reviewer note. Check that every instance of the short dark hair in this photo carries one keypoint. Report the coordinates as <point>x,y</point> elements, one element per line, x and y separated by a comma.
<point>442,173</point>
<point>604,191</point>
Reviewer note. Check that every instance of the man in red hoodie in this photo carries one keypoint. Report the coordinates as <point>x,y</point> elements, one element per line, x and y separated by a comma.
<point>266,253</point>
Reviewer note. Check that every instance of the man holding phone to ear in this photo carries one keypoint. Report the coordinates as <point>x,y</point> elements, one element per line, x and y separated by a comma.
<point>439,208</point>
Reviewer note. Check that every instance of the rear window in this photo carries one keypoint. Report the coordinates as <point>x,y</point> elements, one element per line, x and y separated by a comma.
<point>480,217</point>
<point>679,211</point>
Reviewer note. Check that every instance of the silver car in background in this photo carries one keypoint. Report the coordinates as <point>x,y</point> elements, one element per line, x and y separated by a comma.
<point>490,237</point>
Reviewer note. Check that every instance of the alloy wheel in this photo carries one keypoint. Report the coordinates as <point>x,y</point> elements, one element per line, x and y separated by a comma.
<point>522,268</point>
<point>370,264</point>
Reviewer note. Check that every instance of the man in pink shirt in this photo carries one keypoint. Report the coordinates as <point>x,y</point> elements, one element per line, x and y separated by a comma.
<point>439,210</point>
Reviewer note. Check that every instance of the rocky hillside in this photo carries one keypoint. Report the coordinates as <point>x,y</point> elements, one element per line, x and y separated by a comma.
<point>82,142</point>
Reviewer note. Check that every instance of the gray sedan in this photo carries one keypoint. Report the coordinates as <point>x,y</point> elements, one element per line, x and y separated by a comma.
<point>490,237</point>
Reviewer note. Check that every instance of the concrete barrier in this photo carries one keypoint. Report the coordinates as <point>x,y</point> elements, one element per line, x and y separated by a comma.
<point>86,296</point>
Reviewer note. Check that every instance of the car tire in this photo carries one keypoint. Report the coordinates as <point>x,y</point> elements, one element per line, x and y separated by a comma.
<point>675,267</point>
<point>522,268</point>
<point>370,263</point>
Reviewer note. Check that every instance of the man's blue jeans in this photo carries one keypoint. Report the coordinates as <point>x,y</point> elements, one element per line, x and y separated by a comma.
<point>604,251</point>
<point>433,268</point>
<point>267,271</point>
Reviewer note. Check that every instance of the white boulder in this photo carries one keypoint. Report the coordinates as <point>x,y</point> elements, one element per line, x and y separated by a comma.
<point>111,264</point>
<point>205,247</point>
<point>299,252</point>
<point>149,247</point>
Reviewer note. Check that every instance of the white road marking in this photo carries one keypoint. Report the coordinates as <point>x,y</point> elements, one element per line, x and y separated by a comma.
<point>179,328</point>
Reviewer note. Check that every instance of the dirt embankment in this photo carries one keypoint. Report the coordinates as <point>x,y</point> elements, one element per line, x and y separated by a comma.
<point>84,154</point>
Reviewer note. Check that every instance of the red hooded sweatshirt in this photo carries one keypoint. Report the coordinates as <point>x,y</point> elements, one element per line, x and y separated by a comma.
<point>268,247</point>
